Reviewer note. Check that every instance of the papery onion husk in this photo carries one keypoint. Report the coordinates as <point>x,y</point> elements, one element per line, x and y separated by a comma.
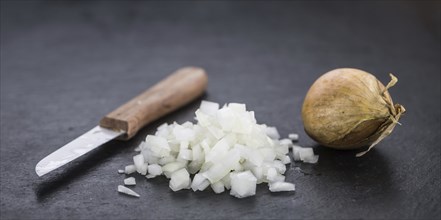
<point>349,108</point>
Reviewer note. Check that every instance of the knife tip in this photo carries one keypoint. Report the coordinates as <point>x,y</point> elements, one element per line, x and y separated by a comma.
<point>40,172</point>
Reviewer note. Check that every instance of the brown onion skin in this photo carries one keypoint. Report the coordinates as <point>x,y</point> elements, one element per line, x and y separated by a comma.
<point>347,108</point>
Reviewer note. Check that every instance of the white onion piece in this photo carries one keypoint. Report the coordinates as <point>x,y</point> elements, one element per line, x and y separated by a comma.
<point>304,154</point>
<point>280,167</point>
<point>183,134</point>
<point>293,137</point>
<point>209,108</point>
<point>282,150</point>
<point>258,173</point>
<point>197,153</point>
<point>180,180</point>
<point>154,170</point>
<point>269,154</point>
<point>202,118</point>
<point>243,184</point>
<point>216,172</point>
<point>226,181</point>
<point>199,182</point>
<point>130,181</point>
<point>168,169</point>
<point>286,159</point>
<point>243,125</point>
<point>185,154</point>
<point>310,158</point>
<point>165,160</point>
<point>144,168</point>
<point>219,150</point>
<point>218,187</point>
<point>272,174</point>
<point>281,186</point>
<point>286,142</point>
<point>158,145</point>
<point>226,119</point>
<point>129,169</point>
<point>238,107</point>
<point>194,166</point>
<point>278,178</point>
<point>138,160</point>
<point>127,191</point>
<point>272,133</point>
<point>148,155</point>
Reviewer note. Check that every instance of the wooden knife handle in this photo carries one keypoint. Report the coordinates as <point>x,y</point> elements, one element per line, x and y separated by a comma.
<point>178,89</point>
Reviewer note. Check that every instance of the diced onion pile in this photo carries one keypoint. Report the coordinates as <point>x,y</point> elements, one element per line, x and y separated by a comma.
<point>226,149</point>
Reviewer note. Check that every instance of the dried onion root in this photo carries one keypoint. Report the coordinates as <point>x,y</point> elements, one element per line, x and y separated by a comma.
<point>349,109</point>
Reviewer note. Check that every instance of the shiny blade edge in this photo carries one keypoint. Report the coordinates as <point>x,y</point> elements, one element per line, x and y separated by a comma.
<point>76,148</point>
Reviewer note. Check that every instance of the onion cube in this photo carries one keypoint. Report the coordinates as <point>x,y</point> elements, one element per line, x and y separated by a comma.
<point>183,134</point>
<point>219,150</point>
<point>179,180</point>
<point>165,160</point>
<point>281,186</point>
<point>294,137</point>
<point>159,145</point>
<point>154,169</point>
<point>226,119</point>
<point>199,182</point>
<point>271,174</point>
<point>238,107</point>
<point>272,133</point>
<point>138,161</point>
<point>310,159</point>
<point>282,150</point>
<point>268,153</point>
<point>218,187</point>
<point>209,108</point>
<point>243,184</point>
<point>242,126</point>
<point>258,173</point>
<point>144,168</point>
<point>286,142</point>
<point>129,169</point>
<point>202,118</point>
<point>194,166</point>
<point>216,132</point>
<point>216,172</point>
<point>280,167</point>
<point>197,153</point>
<point>304,154</point>
<point>226,181</point>
<point>168,169</point>
<point>149,156</point>
<point>185,154</point>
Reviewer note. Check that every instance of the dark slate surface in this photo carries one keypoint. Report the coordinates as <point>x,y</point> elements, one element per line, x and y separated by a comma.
<point>66,64</point>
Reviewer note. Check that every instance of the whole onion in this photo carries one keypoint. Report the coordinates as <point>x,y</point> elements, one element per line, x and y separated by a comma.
<point>349,108</point>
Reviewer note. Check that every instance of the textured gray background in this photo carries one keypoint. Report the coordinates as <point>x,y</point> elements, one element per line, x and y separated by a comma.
<point>66,64</point>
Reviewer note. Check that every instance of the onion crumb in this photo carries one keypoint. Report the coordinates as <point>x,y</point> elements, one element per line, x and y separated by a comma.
<point>130,181</point>
<point>127,191</point>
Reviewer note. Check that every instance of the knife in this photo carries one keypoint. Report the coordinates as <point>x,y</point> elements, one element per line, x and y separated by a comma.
<point>178,89</point>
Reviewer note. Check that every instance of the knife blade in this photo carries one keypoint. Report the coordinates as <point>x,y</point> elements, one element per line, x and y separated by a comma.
<point>178,89</point>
